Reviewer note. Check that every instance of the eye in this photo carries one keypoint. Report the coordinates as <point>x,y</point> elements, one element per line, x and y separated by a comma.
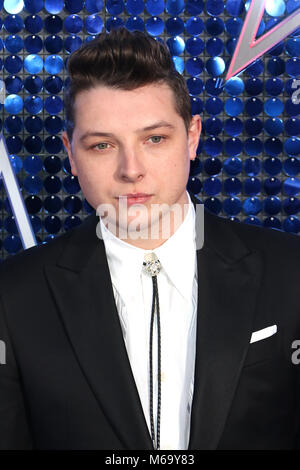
<point>101,146</point>
<point>156,139</point>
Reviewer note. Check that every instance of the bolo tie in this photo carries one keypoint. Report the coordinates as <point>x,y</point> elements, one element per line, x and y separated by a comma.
<point>152,267</point>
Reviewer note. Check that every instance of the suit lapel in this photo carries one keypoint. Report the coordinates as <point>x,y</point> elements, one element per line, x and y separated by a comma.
<point>81,285</point>
<point>228,280</point>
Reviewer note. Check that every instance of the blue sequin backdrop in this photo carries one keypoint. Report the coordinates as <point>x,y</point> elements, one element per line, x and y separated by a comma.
<point>248,163</point>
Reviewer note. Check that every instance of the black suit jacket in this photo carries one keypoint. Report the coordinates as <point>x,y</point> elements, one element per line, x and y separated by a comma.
<point>67,381</point>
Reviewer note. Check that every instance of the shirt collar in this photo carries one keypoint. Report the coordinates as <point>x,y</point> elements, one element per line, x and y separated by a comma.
<point>177,256</point>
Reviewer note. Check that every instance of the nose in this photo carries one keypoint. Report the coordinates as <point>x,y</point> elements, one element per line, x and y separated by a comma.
<point>131,167</point>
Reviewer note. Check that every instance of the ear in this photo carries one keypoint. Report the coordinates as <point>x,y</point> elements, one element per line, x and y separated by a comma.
<point>68,147</point>
<point>194,135</point>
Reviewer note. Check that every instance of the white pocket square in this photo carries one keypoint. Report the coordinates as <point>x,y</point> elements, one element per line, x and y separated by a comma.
<point>264,333</point>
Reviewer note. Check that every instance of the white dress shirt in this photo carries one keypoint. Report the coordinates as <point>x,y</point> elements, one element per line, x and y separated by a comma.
<point>177,289</point>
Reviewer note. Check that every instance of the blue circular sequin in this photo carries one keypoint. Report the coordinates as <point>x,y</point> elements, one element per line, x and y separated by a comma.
<point>273,107</point>
<point>194,185</point>
<point>33,24</point>
<point>274,126</point>
<point>256,68</point>
<point>154,26</point>
<point>135,23</point>
<point>213,165</point>
<point>275,7</point>
<point>214,26</point>
<point>252,205</point>
<point>233,166</point>
<point>52,204</point>
<point>74,6</point>
<point>53,44</point>
<point>93,24</point>
<point>13,24</point>
<point>72,204</point>
<point>197,105</point>
<point>212,186</point>
<point>254,86</point>
<point>194,66</point>
<point>253,126</point>
<point>33,144</point>
<point>213,126</point>
<point>13,64</point>
<point>274,86</point>
<point>53,144</point>
<point>175,26</point>
<point>214,106</point>
<point>154,7</point>
<point>13,104</point>
<point>212,87</point>
<point>33,164</point>
<point>234,26</point>
<point>276,66</point>
<point>135,7</point>
<point>234,86</point>
<point>194,26</point>
<point>13,6</point>
<point>53,24</point>
<point>233,147</point>
<point>292,67</point>
<point>291,224</point>
<point>14,144</point>
<point>213,146</point>
<point>291,186</point>
<point>272,186</point>
<point>33,104</point>
<point>195,85</point>
<point>194,45</point>
<point>272,205</point>
<point>73,24</point>
<point>52,224</point>
<point>273,146</point>
<point>235,7</point>
<point>13,84</point>
<point>291,166</point>
<point>292,107</point>
<point>94,6</point>
<point>52,184</point>
<point>292,47</point>
<point>33,44</point>
<point>232,186</point>
<point>253,106</point>
<point>292,146</point>
<point>33,124</point>
<point>292,126</point>
<point>214,46</point>
<point>291,206</point>
<point>33,204</point>
<point>176,45</point>
<point>13,124</point>
<point>71,185</point>
<point>53,84</point>
<point>53,124</point>
<point>213,204</point>
<point>53,64</point>
<point>272,166</point>
<point>52,164</point>
<point>234,106</point>
<point>252,186</point>
<point>252,166</point>
<point>253,146</point>
<point>33,63</point>
<point>53,104</point>
<point>233,126</point>
<point>54,6</point>
<point>33,84</point>
<point>13,43</point>
<point>32,184</point>
<point>72,43</point>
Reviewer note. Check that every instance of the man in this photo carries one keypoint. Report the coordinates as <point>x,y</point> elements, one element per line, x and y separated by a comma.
<point>75,313</point>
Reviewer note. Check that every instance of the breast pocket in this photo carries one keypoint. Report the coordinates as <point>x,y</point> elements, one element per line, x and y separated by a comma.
<point>263,350</point>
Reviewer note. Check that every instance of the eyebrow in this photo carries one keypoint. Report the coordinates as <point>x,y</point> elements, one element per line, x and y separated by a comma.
<point>153,126</point>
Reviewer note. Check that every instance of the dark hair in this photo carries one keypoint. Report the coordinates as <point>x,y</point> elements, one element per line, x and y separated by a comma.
<point>125,60</point>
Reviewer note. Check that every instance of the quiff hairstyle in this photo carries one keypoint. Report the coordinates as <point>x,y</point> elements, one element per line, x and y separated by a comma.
<point>123,60</point>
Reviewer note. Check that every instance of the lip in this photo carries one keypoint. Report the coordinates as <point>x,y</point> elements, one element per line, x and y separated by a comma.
<point>135,198</point>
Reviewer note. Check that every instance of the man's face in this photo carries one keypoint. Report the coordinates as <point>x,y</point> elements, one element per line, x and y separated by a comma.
<point>128,142</point>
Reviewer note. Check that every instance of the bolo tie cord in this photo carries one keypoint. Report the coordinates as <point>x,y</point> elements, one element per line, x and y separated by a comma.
<point>155,302</point>
<point>152,266</point>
